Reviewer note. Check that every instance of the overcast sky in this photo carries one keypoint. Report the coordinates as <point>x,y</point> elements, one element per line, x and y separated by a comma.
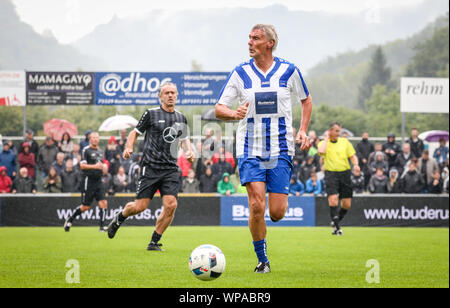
<point>70,20</point>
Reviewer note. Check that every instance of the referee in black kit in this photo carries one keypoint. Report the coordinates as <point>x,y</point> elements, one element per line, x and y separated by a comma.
<point>337,152</point>
<point>164,127</point>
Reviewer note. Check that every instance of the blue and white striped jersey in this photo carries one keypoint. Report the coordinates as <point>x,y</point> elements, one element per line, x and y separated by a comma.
<point>266,131</point>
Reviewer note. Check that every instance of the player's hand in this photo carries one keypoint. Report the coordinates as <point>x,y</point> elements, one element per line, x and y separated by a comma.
<point>241,112</point>
<point>99,165</point>
<point>356,168</point>
<point>303,139</point>
<point>190,156</point>
<point>326,135</point>
<point>127,153</point>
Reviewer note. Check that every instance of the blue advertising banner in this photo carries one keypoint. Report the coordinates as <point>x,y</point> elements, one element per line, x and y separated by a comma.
<point>141,88</point>
<point>234,211</point>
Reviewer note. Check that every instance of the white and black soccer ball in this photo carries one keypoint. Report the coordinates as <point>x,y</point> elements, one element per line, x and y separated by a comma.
<point>207,262</point>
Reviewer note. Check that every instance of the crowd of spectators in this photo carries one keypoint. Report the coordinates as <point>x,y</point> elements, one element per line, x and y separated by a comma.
<point>388,167</point>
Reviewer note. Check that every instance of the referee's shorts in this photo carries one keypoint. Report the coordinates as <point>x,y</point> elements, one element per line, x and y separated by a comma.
<point>339,183</point>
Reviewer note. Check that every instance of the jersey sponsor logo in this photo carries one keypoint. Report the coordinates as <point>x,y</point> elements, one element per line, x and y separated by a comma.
<point>170,134</point>
<point>266,102</point>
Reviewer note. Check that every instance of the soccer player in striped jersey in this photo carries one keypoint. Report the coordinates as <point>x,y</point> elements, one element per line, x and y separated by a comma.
<point>266,88</point>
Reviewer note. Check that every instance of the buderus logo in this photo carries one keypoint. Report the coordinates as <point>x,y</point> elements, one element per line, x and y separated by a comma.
<point>301,212</point>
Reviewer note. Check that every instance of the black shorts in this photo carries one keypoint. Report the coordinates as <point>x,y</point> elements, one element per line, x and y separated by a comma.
<point>339,183</point>
<point>92,189</point>
<point>151,180</point>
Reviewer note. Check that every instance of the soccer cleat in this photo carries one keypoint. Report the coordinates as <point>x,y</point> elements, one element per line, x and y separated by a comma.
<point>262,268</point>
<point>154,247</point>
<point>113,226</point>
<point>67,225</point>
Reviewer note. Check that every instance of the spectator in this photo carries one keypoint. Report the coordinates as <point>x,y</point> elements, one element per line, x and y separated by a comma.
<point>123,140</point>
<point>358,181</point>
<point>391,149</point>
<point>228,157</point>
<point>23,184</point>
<point>85,142</point>
<point>208,182</point>
<point>378,148</point>
<point>120,180</point>
<point>379,163</point>
<point>224,187</point>
<point>363,150</point>
<point>52,183</point>
<point>76,155</point>
<point>446,185</point>
<point>436,186</point>
<point>221,167</point>
<point>412,182</point>
<point>34,146</point>
<point>235,180</point>
<point>47,155</point>
<point>441,153</point>
<point>27,159</point>
<point>190,183</point>
<point>8,160</point>
<point>66,145</point>
<point>70,177</point>
<point>184,164</point>
<point>107,180</point>
<point>209,144</point>
<point>111,149</point>
<point>313,185</point>
<point>307,168</point>
<point>394,186</point>
<point>403,158</point>
<point>296,187</point>
<point>378,183</point>
<point>59,163</point>
<point>5,181</point>
<point>427,166</point>
<point>114,164</point>
<point>416,144</point>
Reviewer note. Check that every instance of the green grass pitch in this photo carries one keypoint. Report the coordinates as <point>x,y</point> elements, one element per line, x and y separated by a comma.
<point>300,257</point>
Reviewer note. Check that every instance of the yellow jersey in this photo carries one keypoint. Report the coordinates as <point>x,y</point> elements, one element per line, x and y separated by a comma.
<point>337,155</point>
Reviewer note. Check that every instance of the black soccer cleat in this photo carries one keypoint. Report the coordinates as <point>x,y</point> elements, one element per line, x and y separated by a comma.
<point>262,268</point>
<point>154,247</point>
<point>113,226</point>
<point>67,225</point>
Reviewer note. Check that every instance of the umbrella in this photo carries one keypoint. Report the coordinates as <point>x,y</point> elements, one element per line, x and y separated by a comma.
<point>434,135</point>
<point>118,122</point>
<point>55,128</point>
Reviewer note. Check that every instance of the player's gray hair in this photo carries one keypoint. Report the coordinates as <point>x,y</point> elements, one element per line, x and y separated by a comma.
<point>166,83</point>
<point>270,32</point>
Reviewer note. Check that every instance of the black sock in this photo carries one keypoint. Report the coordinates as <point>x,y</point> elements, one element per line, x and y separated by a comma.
<point>75,214</point>
<point>334,212</point>
<point>121,218</point>
<point>156,237</point>
<point>102,217</point>
<point>342,213</point>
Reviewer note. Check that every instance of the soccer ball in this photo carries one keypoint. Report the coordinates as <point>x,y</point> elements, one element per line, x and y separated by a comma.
<point>207,262</point>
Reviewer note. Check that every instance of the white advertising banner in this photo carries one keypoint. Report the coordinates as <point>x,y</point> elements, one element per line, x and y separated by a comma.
<point>12,88</point>
<point>424,95</point>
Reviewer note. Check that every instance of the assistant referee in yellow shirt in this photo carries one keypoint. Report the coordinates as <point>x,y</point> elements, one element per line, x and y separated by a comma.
<point>336,152</point>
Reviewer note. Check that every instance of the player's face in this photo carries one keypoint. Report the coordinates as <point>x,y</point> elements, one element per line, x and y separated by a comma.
<point>257,43</point>
<point>94,139</point>
<point>168,96</point>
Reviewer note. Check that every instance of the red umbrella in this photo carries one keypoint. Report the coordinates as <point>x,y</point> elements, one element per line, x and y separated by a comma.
<point>55,128</point>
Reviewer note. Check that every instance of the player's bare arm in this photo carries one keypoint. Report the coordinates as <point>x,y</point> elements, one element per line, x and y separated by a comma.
<point>224,113</point>
<point>302,136</point>
<point>97,166</point>
<point>129,147</point>
<point>186,145</point>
